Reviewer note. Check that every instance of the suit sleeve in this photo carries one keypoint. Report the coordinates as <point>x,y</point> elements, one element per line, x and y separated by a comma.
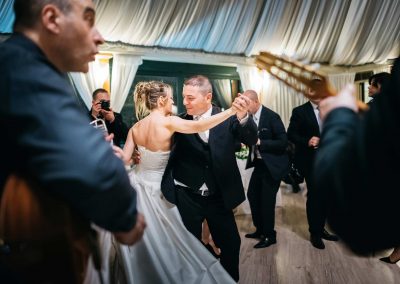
<point>246,133</point>
<point>276,141</point>
<point>294,129</point>
<point>119,128</point>
<point>68,156</point>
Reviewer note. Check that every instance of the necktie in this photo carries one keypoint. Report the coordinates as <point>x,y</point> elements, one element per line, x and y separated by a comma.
<point>318,119</point>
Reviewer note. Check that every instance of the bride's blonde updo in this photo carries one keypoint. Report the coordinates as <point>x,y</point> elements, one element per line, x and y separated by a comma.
<point>146,96</point>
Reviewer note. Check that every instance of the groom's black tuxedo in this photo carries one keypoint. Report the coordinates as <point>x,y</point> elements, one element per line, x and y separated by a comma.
<point>189,152</point>
<point>193,163</point>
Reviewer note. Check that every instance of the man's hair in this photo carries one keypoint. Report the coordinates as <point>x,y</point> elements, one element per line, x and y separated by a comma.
<point>199,81</point>
<point>379,78</point>
<point>97,91</point>
<point>27,12</point>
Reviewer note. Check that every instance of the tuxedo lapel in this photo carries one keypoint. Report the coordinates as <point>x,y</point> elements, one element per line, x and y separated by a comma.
<point>214,130</point>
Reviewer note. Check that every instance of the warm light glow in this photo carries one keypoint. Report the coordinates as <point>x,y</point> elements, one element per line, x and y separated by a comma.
<point>102,69</point>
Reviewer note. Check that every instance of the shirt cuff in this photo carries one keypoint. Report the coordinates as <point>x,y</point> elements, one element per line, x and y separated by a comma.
<point>244,119</point>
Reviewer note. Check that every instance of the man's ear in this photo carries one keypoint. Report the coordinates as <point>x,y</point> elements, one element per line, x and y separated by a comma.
<point>209,96</point>
<point>51,18</point>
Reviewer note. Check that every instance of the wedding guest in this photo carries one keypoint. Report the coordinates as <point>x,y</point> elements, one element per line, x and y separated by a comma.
<point>47,141</point>
<point>271,164</point>
<point>356,165</point>
<point>304,132</point>
<point>101,109</point>
<point>376,83</point>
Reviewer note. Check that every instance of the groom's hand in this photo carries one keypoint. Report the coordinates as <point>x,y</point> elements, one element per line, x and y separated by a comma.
<point>241,104</point>
<point>135,234</point>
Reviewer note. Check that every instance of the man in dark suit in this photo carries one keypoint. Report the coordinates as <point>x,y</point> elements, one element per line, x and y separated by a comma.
<point>46,139</point>
<point>304,131</point>
<point>101,109</point>
<point>202,177</point>
<point>358,167</point>
<point>271,164</point>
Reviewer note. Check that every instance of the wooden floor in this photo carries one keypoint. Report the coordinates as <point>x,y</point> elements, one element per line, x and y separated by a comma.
<point>294,260</point>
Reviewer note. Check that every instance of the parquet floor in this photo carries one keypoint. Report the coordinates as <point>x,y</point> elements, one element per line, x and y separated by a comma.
<point>294,260</point>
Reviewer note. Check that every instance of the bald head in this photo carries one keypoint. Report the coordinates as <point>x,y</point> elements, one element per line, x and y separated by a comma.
<point>252,95</point>
<point>255,103</point>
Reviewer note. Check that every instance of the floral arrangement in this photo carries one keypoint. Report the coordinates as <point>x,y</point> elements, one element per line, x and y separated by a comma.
<point>243,153</point>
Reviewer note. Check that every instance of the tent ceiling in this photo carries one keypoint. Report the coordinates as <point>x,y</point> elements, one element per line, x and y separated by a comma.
<point>341,32</point>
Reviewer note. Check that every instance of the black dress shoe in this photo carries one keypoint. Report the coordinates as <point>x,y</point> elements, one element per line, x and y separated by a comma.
<point>254,235</point>
<point>329,237</point>
<point>265,243</point>
<point>317,242</point>
<point>387,260</point>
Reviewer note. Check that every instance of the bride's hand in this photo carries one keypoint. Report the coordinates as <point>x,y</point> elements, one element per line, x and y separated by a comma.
<point>241,104</point>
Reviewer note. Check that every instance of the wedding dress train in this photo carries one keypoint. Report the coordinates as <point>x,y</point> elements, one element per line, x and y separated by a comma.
<point>168,253</point>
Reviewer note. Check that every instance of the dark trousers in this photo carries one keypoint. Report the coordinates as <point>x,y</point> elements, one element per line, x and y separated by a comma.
<point>195,208</point>
<point>262,198</point>
<point>316,208</point>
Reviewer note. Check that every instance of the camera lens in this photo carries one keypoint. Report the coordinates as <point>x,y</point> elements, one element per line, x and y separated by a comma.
<point>105,105</point>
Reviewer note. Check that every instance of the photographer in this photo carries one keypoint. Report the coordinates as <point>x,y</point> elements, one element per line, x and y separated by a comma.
<point>101,109</point>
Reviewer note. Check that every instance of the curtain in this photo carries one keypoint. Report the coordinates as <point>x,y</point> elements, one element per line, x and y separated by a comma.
<point>340,32</point>
<point>222,88</point>
<point>284,100</point>
<point>6,16</point>
<point>86,83</point>
<point>271,92</point>
<point>123,73</point>
<point>341,80</point>
<point>380,69</point>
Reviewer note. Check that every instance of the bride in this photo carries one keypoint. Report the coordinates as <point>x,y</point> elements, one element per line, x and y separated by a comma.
<point>168,253</point>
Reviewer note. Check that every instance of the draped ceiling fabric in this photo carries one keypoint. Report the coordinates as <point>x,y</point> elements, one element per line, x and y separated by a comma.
<point>343,32</point>
<point>123,73</point>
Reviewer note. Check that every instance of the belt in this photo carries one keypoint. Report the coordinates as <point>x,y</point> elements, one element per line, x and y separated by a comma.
<point>201,192</point>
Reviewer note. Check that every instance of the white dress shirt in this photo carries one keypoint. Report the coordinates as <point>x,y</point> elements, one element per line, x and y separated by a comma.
<point>317,115</point>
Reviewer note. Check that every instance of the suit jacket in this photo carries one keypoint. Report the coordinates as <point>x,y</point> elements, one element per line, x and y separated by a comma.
<point>303,125</point>
<point>273,144</point>
<point>358,165</point>
<point>222,144</point>
<point>46,138</point>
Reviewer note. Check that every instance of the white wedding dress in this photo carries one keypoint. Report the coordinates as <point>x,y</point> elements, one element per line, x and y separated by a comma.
<point>168,253</point>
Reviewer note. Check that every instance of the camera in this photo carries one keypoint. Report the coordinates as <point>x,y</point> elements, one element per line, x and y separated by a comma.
<point>105,105</point>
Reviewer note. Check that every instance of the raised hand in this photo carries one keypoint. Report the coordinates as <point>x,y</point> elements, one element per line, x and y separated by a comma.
<point>241,104</point>
<point>345,98</point>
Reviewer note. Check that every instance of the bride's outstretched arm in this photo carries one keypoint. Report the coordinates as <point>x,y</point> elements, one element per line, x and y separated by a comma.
<point>129,147</point>
<point>177,124</point>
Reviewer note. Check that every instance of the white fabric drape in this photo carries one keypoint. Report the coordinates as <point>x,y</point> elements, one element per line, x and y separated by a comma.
<point>92,80</point>
<point>123,72</point>
<point>284,100</point>
<point>271,92</point>
<point>6,16</point>
<point>340,32</point>
<point>341,80</point>
<point>223,88</point>
<point>385,68</point>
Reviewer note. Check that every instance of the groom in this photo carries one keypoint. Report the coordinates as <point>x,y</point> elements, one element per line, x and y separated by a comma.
<point>202,177</point>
